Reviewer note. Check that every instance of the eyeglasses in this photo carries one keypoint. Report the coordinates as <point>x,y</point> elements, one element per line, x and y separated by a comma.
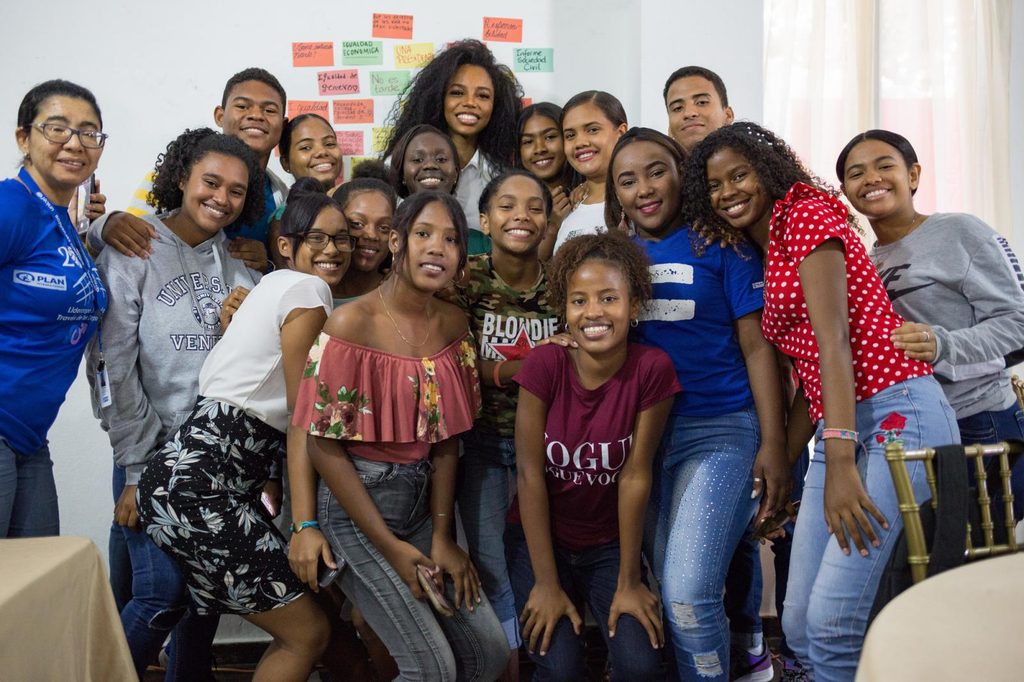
<point>61,134</point>
<point>318,241</point>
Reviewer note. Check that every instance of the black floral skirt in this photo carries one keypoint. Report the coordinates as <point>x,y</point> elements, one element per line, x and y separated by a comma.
<point>199,500</point>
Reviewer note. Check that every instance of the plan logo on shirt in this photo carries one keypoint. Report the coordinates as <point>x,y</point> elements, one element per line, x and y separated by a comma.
<point>41,280</point>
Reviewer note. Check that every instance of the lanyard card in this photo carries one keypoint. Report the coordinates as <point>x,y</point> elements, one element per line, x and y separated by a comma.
<point>103,385</point>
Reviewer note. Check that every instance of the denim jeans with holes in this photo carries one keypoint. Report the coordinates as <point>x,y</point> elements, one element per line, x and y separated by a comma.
<point>830,594</point>
<point>470,645</point>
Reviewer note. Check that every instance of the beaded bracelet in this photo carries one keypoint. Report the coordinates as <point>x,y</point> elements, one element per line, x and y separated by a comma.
<point>840,434</point>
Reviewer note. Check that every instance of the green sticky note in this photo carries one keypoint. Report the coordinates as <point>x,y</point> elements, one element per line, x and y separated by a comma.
<point>534,59</point>
<point>362,52</point>
<point>388,82</point>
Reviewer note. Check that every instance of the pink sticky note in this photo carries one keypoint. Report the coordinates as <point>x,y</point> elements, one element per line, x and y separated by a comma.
<point>392,26</point>
<point>353,111</point>
<point>313,54</point>
<point>351,142</point>
<point>503,30</point>
<point>341,82</point>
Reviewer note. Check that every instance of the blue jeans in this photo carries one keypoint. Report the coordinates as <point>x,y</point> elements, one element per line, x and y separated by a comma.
<point>158,598</point>
<point>829,595</point>
<point>992,427</point>
<point>28,494</point>
<point>468,646</point>
<point>591,575</point>
<point>704,505</point>
<point>487,481</point>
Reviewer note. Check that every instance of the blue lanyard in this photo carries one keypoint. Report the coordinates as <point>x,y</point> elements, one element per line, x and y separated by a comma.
<point>75,244</point>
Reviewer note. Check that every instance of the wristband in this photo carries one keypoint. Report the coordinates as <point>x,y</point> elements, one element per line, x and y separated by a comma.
<point>840,434</point>
<point>303,526</point>
<point>497,372</point>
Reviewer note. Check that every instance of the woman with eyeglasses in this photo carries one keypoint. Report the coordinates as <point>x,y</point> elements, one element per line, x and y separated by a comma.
<point>200,496</point>
<point>51,296</point>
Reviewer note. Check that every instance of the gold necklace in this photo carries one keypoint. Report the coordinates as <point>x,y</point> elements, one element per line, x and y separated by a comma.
<point>391,317</point>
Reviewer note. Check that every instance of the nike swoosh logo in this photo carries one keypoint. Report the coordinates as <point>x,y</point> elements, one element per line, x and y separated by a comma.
<point>896,293</point>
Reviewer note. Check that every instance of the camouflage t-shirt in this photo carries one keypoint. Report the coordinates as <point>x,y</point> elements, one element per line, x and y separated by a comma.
<point>506,324</point>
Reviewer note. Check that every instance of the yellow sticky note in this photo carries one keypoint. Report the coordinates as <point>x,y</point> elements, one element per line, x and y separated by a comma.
<point>413,55</point>
<point>381,137</point>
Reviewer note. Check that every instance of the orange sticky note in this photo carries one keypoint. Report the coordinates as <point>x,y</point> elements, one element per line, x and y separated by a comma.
<point>392,26</point>
<point>297,107</point>
<point>341,82</point>
<point>350,142</point>
<point>353,111</point>
<point>503,30</point>
<point>313,54</point>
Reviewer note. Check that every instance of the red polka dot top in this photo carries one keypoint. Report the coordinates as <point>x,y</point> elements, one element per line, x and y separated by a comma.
<point>802,221</point>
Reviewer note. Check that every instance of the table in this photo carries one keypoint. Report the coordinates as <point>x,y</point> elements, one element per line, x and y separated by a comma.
<point>964,624</point>
<point>58,620</point>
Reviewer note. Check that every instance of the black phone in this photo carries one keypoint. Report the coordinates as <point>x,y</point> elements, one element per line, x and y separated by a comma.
<point>325,575</point>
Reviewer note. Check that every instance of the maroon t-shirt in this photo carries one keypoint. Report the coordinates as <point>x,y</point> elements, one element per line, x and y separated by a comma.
<point>588,436</point>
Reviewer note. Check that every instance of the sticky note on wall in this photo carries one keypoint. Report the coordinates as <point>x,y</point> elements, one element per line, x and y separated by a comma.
<point>297,107</point>
<point>350,141</point>
<point>503,30</point>
<point>413,55</point>
<point>340,82</point>
<point>392,26</point>
<point>362,52</point>
<point>384,83</point>
<point>381,137</point>
<point>353,110</point>
<point>533,59</point>
<point>313,54</point>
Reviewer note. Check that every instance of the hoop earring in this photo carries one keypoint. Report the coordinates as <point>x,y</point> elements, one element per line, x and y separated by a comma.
<point>634,322</point>
<point>566,327</point>
<point>462,275</point>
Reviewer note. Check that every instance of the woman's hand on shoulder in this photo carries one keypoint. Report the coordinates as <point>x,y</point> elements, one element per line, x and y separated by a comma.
<point>546,605</point>
<point>916,340</point>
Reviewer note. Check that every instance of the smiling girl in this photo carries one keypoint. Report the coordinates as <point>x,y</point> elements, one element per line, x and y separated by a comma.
<point>388,386</point>
<point>966,302</point>
<point>542,152</point>
<point>309,149</point>
<point>725,443</point>
<point>369,208</point>
<point>588,423</point>
<point>826,308</point>
<point>163,320</point>
<point>466,93</point>
<point>592,122</point>
<point>424,158</point>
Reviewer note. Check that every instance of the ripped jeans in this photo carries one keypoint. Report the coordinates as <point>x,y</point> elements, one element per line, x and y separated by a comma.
<point>705,475</point>
<point>158,598</point>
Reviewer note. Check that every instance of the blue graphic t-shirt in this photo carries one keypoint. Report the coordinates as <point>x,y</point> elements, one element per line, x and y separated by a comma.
<point>49,305</point>
<point>696,301</point>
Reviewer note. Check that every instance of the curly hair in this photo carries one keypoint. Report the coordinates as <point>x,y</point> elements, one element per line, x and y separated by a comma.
<point>613,247</point>
<point>612,207</point>
<point>174,165</point>
<point>396,172</point>
<point>423,100</point>
<point>253,73</point>
<point>777,167</point>
<point>570,177</point>
<point>372,168</point>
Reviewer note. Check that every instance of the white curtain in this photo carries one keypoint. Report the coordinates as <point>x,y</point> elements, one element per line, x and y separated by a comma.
<point>935,71</point>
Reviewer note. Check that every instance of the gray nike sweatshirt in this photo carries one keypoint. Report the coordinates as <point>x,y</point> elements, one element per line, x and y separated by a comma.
<point>960,276</point>
<point>162,321</point>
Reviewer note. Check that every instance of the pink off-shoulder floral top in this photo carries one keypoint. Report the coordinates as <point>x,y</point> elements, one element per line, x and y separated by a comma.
<point>387,407</point>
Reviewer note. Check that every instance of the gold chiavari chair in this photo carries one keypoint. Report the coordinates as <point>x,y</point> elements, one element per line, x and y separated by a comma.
<point>982,542</point>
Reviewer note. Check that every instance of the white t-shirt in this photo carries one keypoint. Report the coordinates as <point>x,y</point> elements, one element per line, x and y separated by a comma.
<point>472,180</point>
<point>585,219</point>
<point>244,369</point>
